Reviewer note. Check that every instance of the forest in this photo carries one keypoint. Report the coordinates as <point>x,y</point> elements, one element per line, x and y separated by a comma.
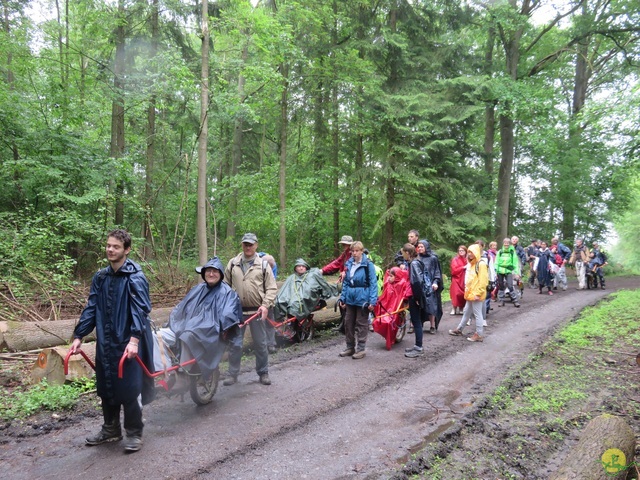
<point>189,123</point>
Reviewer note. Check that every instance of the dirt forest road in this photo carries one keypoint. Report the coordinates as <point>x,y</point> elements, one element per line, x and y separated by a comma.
<point>324,417</point>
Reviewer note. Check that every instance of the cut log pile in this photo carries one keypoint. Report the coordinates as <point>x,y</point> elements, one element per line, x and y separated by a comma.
<point>21,336</point>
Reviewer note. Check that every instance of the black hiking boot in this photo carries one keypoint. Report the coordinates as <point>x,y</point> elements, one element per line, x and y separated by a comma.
<point>108,433</point>
<point>132,444</point>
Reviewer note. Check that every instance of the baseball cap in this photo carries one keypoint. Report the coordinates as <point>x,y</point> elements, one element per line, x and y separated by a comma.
<point>249,238</point>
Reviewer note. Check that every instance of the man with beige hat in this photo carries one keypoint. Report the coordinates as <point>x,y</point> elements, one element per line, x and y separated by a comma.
<point>338,264</point>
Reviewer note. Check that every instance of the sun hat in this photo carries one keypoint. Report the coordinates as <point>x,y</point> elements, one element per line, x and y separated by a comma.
<point>346,240</point>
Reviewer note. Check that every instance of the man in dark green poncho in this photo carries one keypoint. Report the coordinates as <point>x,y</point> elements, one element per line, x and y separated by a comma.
<point>302,291</point>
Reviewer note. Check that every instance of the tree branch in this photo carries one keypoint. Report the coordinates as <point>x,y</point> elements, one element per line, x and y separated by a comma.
<point>538,67</point>
<point>553,23</point>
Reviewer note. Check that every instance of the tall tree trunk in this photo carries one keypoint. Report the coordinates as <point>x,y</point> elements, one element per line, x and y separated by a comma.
<point>16,194</point>
<point>358,166</point>
<point>335,157</point>
<point>9,70</point>
<point>284,125</point>
<point>567,190</point>
<point>67,66</point>
<point>117,111</point>
<point>504,176</point>
<point>335,127</point>
<point>489,112</point>
<point>151,139</point>
<point>83,66</point>
<point>201,219</point>
<point>6,24</point>
<point>390,183</point>
<point>511,44</point>
<point>320,158</point>
<point>236,151</point>
<point>363,15</point>
<point>63,56</point>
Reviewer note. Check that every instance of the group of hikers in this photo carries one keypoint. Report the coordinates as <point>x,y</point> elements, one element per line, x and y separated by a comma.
<point>213,316</point>
<point>498,273</point>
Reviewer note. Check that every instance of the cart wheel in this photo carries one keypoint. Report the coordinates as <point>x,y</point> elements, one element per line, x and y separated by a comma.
<point>403,329</point>
<point>202,392</point>
<point>304,329</point>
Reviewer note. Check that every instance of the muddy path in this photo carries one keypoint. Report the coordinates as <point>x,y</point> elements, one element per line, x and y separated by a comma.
<point>323,417</point>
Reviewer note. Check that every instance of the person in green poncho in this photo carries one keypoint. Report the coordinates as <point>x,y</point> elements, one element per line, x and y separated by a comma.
<point>302,291</point>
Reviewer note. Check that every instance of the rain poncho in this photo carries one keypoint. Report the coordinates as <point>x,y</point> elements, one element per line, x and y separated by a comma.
<point>394,296</point>
<point>543,269</point>
<point>431,263</point>
<point>118,308</point>
<point>300,294</point>
<point>456,291</point>
<point>476,277</point>
<point>203,316</point>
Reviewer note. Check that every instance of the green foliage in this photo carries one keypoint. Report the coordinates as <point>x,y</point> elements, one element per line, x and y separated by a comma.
<point>627,224</point>
<point>42,397</point>
<point>33,253</point>
<point>386,104</point>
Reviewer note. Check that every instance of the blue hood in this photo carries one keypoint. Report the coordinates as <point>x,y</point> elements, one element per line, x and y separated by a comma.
<point>212,263</point>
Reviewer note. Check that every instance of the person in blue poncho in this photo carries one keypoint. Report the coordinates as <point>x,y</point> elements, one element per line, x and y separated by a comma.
<point>206,319</point>
<point>118,309</point>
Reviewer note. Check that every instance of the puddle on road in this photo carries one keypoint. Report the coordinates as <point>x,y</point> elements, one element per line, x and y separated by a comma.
<point>432,437</point>
<point>434,406</point>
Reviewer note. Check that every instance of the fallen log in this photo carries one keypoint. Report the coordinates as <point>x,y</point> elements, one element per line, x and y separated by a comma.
<point>21,336</point>
<point>604,452</point>
<point>50,365</point>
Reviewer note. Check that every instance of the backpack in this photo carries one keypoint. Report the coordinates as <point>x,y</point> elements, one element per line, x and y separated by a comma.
<point>564,251</point>
<point>275,265</point>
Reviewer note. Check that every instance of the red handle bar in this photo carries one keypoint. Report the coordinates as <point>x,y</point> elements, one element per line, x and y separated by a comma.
<point>252,317</point>
<point>66,361</point>
<point>146,370</point>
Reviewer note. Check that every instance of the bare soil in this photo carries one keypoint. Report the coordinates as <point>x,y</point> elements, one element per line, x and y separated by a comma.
<point>324,416</point>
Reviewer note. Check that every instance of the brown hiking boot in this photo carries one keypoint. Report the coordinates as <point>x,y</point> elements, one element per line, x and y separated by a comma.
<point>230,380</point>
<point>348,352</point>
<point>358,355</point>
<point>475,338</point>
